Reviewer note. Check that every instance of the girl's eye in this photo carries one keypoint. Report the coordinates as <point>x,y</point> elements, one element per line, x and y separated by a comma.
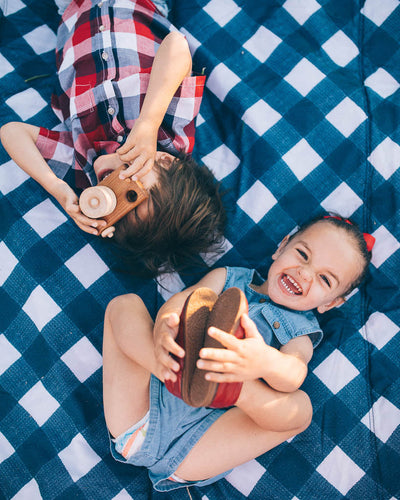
<point>303,254</point>
<point>325,279</point>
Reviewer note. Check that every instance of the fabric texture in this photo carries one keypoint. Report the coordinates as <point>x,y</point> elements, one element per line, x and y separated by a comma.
<point>300,114</point>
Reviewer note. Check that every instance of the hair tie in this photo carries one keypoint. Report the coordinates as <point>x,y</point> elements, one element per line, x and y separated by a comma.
<point>369,239</point>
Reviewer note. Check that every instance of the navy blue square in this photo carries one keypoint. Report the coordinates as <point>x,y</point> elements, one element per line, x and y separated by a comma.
<point>40,356</point>
<point>345,159</point>
<point>85,312</point>
<point>336,419</point>
<point>8,309</point>
<point>387,117</point>
<point>222,44</point>
<point>382,373</point>
<point>384,198</point>
<point>380,48</point>
<point>262,80</point>
<point>36,450</point>
<point>291,460</point>
<point>304,116</point>
<point>7,403</point>
<point>296,197</point>
<point>7,213</point>
<point>261,156</point>
<point>256,245</point>
<point>82,407</point>
<point>40,261</point>
<point>303,42</point>
<point>341,12</point>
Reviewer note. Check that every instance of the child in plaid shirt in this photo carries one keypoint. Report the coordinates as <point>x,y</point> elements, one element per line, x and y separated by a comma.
<point>126,97</point>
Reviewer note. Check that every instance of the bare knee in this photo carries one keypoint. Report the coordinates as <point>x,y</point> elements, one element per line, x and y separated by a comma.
<point>120,303</point>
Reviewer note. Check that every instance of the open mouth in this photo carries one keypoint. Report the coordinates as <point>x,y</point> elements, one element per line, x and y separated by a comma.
<point>290,285</point>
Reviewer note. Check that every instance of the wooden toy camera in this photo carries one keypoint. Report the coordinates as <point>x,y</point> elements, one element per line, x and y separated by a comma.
<point>112,198</point>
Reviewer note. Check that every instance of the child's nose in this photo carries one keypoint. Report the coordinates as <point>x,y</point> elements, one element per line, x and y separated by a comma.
<point>305,274</point>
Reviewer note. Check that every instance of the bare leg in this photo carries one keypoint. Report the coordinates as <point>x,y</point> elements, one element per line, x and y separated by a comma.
<point>128,360</point>
<point>246,432</point>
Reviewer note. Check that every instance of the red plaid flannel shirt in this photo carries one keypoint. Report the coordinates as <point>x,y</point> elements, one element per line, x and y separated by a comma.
<point>105,51</point>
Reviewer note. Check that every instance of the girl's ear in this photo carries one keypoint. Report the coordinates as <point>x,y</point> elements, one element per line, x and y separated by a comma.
<point>280,248</point>
<point>335,303</point>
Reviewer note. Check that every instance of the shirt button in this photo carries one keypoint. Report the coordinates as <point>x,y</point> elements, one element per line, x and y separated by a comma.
<point>262,300</point>
<point>276,325</point>
<point>120,138</point>
<point>110,110</point>
<point>101,27</point>
<point>104,55</point>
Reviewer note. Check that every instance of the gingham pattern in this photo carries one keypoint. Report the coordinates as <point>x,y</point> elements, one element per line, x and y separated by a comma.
<point>301,112</point>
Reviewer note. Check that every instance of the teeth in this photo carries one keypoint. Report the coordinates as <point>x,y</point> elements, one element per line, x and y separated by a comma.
<point>294,283</point>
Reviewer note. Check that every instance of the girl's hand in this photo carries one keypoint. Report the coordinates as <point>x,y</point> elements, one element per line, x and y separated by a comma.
<point>243,359</point>
<point>67,198</point>
<point>165,331</point>
<point>139,149</point>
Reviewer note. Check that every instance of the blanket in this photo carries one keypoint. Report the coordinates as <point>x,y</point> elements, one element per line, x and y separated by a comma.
<point>300,114</point>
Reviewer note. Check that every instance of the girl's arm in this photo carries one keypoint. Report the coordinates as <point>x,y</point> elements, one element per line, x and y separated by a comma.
<point>167,321</point>
<point>19,140</point>
<point>172,63</point>
<point>251,358</point>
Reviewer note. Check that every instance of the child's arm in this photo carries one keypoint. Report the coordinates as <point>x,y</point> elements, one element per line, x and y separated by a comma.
<point>251,358</point>
<point>19,140</point>
<point>167,321</point>
<point>172,63</point>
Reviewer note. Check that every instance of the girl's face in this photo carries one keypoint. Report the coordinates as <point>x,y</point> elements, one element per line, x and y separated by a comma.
<point>105,164</point>
<point>313,269</point>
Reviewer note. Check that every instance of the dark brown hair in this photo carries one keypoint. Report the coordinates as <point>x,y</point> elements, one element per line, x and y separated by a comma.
<point>187,218</point>
<point>354,232</point>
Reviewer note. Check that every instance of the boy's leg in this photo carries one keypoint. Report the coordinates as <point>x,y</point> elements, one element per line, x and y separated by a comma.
<point>244,433</point>
<point>128,360</point>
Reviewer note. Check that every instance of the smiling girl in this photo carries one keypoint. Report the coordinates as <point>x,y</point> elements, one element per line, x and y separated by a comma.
<point>258,374</point>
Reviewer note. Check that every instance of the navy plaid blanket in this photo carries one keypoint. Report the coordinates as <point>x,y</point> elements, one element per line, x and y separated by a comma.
<point>301,113</point>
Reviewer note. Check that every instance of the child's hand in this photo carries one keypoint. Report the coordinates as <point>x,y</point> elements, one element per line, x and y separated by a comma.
<point>139,149</point>
<point>67,198</point>
<point>241,360</point>
<point>165,331</point>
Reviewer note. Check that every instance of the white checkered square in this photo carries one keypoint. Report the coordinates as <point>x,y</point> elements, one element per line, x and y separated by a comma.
<point>210,258</point>
<point>336,371</point>
<point>30,491</point>
<point>262,44</point>
<point>6,450</point>
<point>378,11</point>
<point>342,200</point>
<point>221,81</point>
<point>26,103</point>
<point>11,177</point>
<point>83,359</point>
<point>78,457</point>
<point>379,329</point>
<point>5,66</point>
<point>382,419</point>
<point>193,43</point>
<point>260,117</point>
<point>301,10</point>
<point>8,262</point>
<point>124,495</point>
<point>45,217</point>
<point>304,77</point>
<point>42,39</point>
<point>40,307</point>
<point>222,11</point>
<point>386,158</point>
<point>346,116</point>
<point>11,7</point>
<point>9,354</point>
<point>86,266</point>
<point>257,201</point>
<point>245,477</point>
<point>168,284</point>
<point>222,161</point>
<point>341,49</point>
<point>382,83</point>
<point>302,159</point>
<point>39,403</point>
<point>385,246</point>
<point>340,470</point>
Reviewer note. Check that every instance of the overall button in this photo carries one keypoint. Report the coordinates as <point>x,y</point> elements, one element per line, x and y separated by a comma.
<point>110,110</point>
<point>276,325</point>
<point>262,300</point>
<point>104,55</point>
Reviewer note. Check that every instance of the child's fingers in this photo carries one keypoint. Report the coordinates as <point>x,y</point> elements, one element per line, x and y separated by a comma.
<point>215,366</point>
<point>249,327</point>
<point>226,339</point>
<point>222,377</point>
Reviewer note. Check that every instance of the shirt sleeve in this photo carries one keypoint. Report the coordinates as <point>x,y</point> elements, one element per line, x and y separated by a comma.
<point>57,149</point>
<point>178,127</point>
